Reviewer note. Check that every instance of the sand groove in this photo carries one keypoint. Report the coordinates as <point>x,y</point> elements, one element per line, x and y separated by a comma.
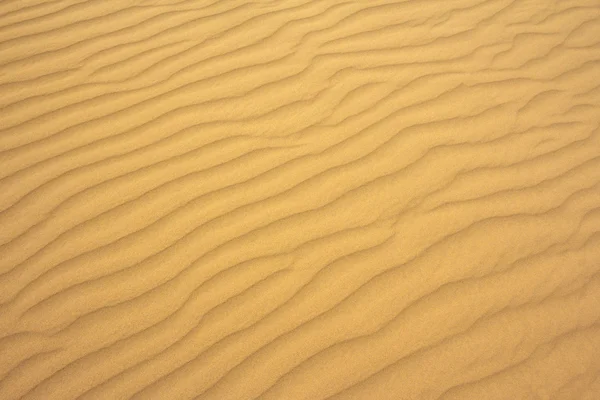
<point>305,199</point>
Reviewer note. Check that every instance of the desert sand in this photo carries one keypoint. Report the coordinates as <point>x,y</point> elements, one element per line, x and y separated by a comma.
<point>300,199</point>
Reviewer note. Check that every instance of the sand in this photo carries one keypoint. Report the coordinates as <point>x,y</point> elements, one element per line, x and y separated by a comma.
<point>300,199</point>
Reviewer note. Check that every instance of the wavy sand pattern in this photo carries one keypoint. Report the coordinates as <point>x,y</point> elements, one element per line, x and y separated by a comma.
<point>300,199</point>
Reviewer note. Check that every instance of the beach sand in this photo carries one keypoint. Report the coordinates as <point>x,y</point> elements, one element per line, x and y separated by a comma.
<point>300,199</point>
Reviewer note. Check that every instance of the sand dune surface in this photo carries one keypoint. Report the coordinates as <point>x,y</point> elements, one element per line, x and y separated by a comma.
<point>300,199</point>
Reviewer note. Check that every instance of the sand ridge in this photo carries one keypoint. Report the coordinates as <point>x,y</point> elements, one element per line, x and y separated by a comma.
<point>303,199</point>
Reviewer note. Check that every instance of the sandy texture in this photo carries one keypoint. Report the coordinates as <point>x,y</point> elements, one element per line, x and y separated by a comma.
<point>300,199</point>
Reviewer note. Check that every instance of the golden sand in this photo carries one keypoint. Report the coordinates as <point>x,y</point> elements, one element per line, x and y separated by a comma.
<point>300,199</point>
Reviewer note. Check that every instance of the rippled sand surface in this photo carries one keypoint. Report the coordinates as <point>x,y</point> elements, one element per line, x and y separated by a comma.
<point>300,199</point>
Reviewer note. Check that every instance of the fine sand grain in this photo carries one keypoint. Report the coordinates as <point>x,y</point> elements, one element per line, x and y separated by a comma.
<point>300,199</point>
